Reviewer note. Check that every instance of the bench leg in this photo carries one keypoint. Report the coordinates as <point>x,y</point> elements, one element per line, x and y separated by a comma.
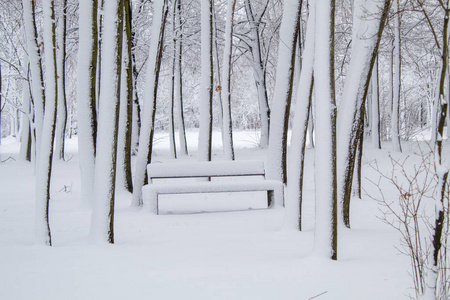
<point>269,198</point>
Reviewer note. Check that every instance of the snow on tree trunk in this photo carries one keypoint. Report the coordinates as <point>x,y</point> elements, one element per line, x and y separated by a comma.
<point>45,153</point>
<point>325,232</point>
<point>369,19</point>
<point>311,137</point>
<point>37,87</point>
<point>25,145</point>
<point>356,186</point>
<point>258,71</point>
<point>395,130</point>
<point>299,129</point>
<point>149,109</point>
<point>178,86</point>
<point>124,179</point>
<point>172,143</point>
<point>0,108</point>
<point>375,124</point>
<point>86,96</point>
<point>283,92</point>
<point>102,225</point>
<point>441,207</point>
<point>227,125</point>
<point>61,111</point>
<point>206,86</point>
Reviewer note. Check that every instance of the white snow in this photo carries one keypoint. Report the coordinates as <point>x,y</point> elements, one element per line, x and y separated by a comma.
<point>182,254</point>
<point>201,168</point>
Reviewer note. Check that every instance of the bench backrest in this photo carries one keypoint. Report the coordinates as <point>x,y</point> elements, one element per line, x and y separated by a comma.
<point>192,169</point>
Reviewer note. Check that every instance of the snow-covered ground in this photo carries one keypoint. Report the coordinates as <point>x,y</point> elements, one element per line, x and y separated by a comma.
<point>236,249</point>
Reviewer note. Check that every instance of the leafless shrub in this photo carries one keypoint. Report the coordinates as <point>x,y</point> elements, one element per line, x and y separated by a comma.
<point>416,186</point>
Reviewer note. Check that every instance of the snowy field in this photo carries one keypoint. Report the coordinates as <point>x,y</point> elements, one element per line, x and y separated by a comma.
<point>200,247</point>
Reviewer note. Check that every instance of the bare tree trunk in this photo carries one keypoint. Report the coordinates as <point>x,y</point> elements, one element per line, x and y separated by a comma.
<point>173,147</point>
<point>205,133</point>
<point>86,97</point>
<point>325,232</point>
<point>148,118</point>
<point>227,125</point>
<point>358,163</point>
<point>375,124</point>
<point>37,88</point>
<point>124,179</point>
<point>45,153</point>
<point>366,39</point>
<point>102,225</point>
<point>61,69</point>
<point>442,170</point>
<point>281,105</point>
<point>179,82</point>
<point>258,70</point>
<point>395,130</point>
<point>25,146</point>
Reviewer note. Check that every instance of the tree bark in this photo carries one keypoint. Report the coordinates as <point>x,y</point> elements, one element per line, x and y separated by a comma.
<point>227,124</point>
<point>124,178</point>
<point>45,153</point>
<point>259,72</point>
<point>102,225</point>
<point>375,124</point>
<point>86,97</point>
<point>206,87</point>
<point>61,69</point>
<point>395,123</point>
<point>151,89</point>
<point>366,38</point>
<point>281,104</point>
<point>178,86</point>
<point>325,232</point>
<point>37,88</point>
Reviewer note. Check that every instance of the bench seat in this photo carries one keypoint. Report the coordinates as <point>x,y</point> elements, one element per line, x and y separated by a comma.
<point>197,169</point>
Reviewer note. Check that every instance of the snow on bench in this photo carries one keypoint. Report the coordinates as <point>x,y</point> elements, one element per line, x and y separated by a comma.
<point>274,189</point>
<point>197,169</point>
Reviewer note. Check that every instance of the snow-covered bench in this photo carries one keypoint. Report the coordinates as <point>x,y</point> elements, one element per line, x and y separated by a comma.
<point>275,196</point>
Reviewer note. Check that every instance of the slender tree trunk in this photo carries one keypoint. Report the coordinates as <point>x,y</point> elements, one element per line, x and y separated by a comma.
<point>442,169</point>
<point>37,88</point>
<point>358,163</point>
<point>45,153</point>
<point>325,232</point>
<point>99,31</point>
<point>217,79</point>
<point>227,125</point>
<point>366,38</point>
<point>86,97</point>
<point>395,130</point>
<point>375,124</point>
<point>206,89</point>
<point>102,225</point>
<point>300,127</point>
<point>1,107</point>
<point>173,147</point>
<point>61,69</point>
<point>148,120</point>
<point>277,151</point>
<point>136,127</point>
<point>124,179</point>
<point>259,71</point>
<point>179,82</point>
<point>25,146</point>
<point>311,125</point>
